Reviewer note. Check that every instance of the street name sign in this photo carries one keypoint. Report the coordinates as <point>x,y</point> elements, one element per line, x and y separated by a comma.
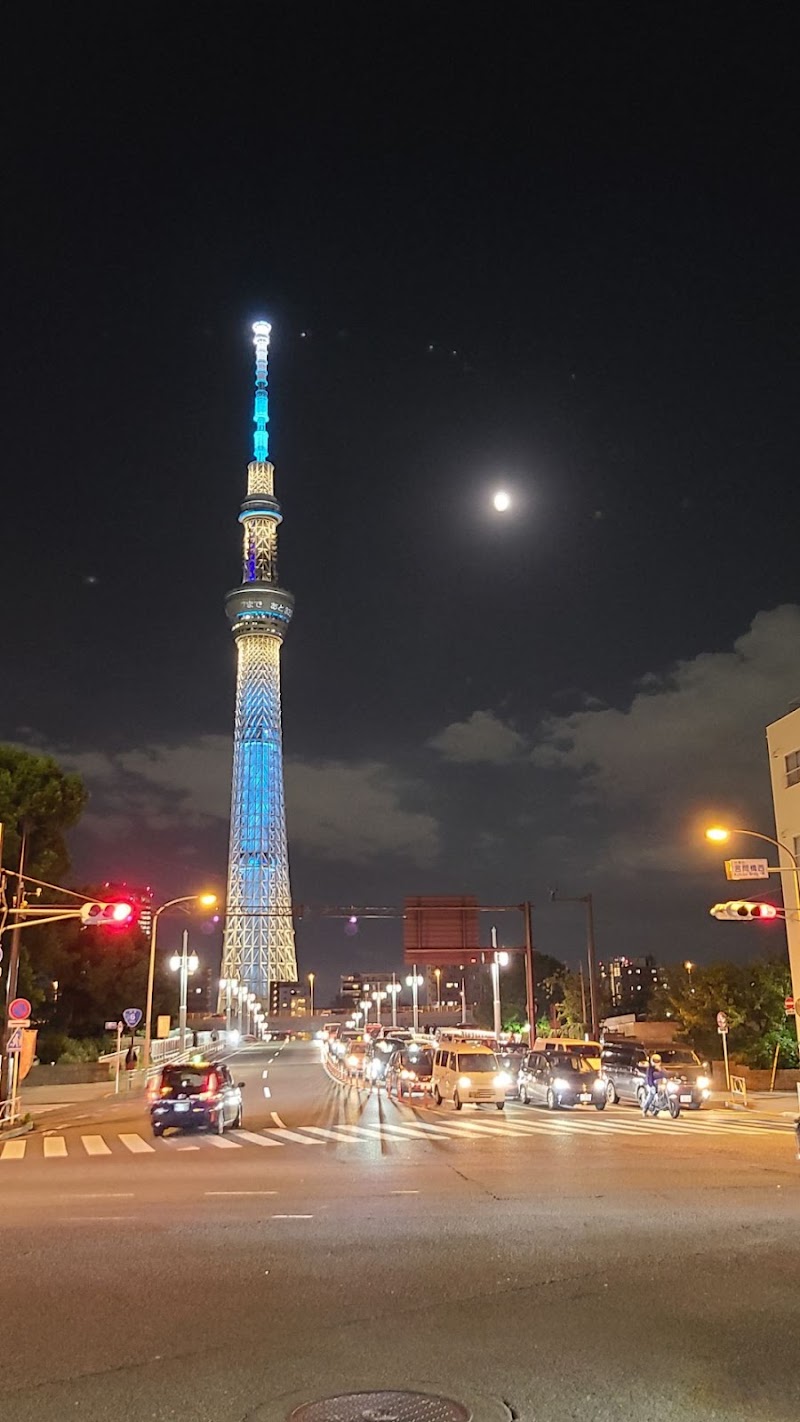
<point>746,869</point>
<point>132,1016</point>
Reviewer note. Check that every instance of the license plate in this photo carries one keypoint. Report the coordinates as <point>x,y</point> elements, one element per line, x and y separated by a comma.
<point>181,1105</point>
<point>686,1097</point>
<point>484,1095</point>
<point>585,1096</point>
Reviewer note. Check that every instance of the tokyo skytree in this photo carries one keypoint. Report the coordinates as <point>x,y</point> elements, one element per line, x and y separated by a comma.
<point>259,931</point>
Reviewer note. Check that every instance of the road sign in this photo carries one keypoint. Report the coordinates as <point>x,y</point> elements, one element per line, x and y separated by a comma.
<point>722,1022</point>
<point>132,1016</point>
<point>15,1041</point>
<point>112,1026</point>
<point>18,1009</point>
<point>746,869</point>
<point>788,1006</point>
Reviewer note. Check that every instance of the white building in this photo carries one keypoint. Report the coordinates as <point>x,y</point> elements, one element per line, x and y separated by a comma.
<point>783,742</point>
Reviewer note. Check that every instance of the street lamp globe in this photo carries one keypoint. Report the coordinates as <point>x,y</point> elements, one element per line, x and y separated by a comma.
<point>192,963</point>
<point>717,834</point>
<point>175,962</point>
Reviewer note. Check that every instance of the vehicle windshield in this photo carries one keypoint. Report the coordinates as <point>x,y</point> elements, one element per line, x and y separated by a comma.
<point>189,1079</point>
<point>679,1056</point>
<point>420,1062</point>
<point>477,1061</point>
<point>572,1063</point>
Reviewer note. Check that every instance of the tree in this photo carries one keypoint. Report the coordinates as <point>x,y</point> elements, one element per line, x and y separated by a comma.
<point>751,994</point>
<point>40,799</point>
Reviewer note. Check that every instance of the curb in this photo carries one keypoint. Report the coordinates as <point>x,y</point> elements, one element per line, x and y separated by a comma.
<point>16,1131</point>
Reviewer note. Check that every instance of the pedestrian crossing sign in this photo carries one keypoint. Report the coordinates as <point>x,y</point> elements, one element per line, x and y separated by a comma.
<point>15,1041</point>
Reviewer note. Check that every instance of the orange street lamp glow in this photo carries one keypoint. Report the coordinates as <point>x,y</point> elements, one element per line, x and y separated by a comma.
<point>207,900</point>
<point>718,834</point>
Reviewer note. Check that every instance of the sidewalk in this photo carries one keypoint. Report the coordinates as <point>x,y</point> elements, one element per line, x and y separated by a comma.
<point>782,1105</point>
<point>40,1099</point>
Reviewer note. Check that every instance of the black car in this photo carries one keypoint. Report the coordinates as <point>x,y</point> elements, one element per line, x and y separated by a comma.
<point>380,1052</point>
<point>197,1095</point>
<point>623,1066</point>
<point>410,1070</point>
<point>512,1060</point>
<point>560,1079</point>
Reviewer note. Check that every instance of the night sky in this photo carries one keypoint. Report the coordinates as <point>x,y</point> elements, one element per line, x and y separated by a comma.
<point>557,257</point>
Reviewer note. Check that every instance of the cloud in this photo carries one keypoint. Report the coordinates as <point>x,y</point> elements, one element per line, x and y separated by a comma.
<point>693,734</point>
<point>483,739</point>
<point>349,811</point>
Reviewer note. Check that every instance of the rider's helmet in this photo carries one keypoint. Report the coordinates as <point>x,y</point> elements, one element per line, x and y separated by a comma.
<point>656,1057</point>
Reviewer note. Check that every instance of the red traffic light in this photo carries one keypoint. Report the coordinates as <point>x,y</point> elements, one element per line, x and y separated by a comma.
<point>744,910</point>
<point>104,915</point>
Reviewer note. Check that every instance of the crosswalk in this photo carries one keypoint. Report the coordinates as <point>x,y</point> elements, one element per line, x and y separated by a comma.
<point>436,1127</point>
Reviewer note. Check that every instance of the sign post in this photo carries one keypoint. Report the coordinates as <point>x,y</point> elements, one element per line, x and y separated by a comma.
<point>722,1028</point>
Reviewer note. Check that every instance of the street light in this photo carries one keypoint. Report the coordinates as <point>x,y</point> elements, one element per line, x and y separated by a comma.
<point>365,1006</point>
<point>311,990</point>
<point>393,988</point>
<point>206,901</point>
<point>499,960</point>
<point>184,963</point>
<point>437,973</point>
<point>228,985</point>
<point>414,981</point>
<point>719,834</point>
<point>378,997</point>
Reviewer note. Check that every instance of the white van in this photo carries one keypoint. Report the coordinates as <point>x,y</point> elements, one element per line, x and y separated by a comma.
<point>465,1071</point>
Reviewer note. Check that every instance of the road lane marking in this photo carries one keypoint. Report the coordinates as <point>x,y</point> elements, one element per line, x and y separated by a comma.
<point>348,1134</point>
<point>55,1147</point>
<point>404,1192</point>
<point>267,1093</point>
<point>287,1135</point>
<point>278,1122</point>
<point>256,1140</point>
<point>14,1150</point>
<point>136,1145</point>
<point>223,1143</point>
<point>241,1192</point>
<point>293,1217</point>
<point>95,1145</point>
<point>265,1073</point>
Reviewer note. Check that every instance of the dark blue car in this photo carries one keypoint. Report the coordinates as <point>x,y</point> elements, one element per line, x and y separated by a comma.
<point>195,1096</point>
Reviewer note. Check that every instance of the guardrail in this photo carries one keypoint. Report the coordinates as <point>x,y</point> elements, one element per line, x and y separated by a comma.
<point>739,1088</point>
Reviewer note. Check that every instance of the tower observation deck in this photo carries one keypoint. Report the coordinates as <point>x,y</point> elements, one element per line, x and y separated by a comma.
<point>259,931</point>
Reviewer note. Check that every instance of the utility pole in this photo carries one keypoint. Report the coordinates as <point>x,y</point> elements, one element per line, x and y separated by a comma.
<point>591,954</point>
<point>13,968</point>
<point>530,980</point>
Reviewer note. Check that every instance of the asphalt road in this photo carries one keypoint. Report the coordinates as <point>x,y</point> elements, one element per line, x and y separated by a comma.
<point>589,1266</point>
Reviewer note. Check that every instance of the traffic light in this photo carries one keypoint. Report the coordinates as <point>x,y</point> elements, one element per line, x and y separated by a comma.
<point>103,915</point>
<point>742,909</point>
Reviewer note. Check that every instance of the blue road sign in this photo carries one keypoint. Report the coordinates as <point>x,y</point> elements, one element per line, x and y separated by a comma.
<point>132,1016</point>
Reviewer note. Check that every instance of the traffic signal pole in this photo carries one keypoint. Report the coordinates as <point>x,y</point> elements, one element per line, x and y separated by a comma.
<point>7,1080</point>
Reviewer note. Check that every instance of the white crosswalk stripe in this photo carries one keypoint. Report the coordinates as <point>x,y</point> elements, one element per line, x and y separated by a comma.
<point>95,1145</point>
<point>411,1125</point>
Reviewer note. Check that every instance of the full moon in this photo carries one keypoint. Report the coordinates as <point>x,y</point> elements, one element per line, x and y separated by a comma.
<point>502,501</point>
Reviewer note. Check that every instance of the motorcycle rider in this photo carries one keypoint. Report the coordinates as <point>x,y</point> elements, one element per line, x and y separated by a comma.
<point>653,1077</point>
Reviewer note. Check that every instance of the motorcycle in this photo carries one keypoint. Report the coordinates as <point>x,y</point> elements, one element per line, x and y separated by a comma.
<point>665,1099</point>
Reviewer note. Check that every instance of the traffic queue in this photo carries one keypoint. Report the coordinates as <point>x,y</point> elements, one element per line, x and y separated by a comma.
<point>459,1066</point>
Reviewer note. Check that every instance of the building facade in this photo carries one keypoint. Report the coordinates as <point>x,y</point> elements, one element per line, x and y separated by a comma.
<point>783,746</point>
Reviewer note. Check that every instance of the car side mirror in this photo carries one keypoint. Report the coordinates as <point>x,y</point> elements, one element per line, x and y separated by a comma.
<point>240,1085</point>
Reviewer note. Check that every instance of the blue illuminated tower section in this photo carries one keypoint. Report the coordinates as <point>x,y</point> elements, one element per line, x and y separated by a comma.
<point>259,931</point>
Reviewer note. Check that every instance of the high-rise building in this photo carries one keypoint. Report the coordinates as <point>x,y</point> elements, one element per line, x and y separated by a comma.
<point>630,982</point>
<point>259,931</point>
<point>783,744</point>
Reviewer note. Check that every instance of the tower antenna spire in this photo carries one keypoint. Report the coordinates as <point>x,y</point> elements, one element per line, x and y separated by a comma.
<point>261,332</point>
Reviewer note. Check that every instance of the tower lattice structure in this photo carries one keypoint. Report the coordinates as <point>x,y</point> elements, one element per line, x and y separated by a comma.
<point>259,930</point>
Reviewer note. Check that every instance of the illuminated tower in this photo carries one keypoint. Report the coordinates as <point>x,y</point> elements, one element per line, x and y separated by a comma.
<point>259,933</point>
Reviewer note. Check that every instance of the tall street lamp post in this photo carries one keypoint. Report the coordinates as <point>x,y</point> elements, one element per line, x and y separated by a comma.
<point>365,1006</point>
<point>227,986</point>
<point>393,989</point>
<point>437,973</point>
<point>414,981</point>
<point>184,963</point>
<point>718,834</point>
<point>499,960</point>
<point>311,991</point>
<point>206,901</point>
<point>378,998</point>
<point>591,953</point>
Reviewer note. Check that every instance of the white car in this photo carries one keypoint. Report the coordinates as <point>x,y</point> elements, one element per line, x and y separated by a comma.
<point>464,1071</point>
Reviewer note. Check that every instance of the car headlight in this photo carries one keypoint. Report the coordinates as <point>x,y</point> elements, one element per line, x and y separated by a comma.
<point>673,1086</point>
<point>598,1085</point>
<point>352,1061</point>
<point>703,1082</point>
<point>465,1081</point>
<point>502,1079</point>
<point>407,1075</point>
<point>559,1084</point>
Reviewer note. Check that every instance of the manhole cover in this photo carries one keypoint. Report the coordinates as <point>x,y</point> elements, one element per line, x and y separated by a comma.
<point>382,1407</point>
